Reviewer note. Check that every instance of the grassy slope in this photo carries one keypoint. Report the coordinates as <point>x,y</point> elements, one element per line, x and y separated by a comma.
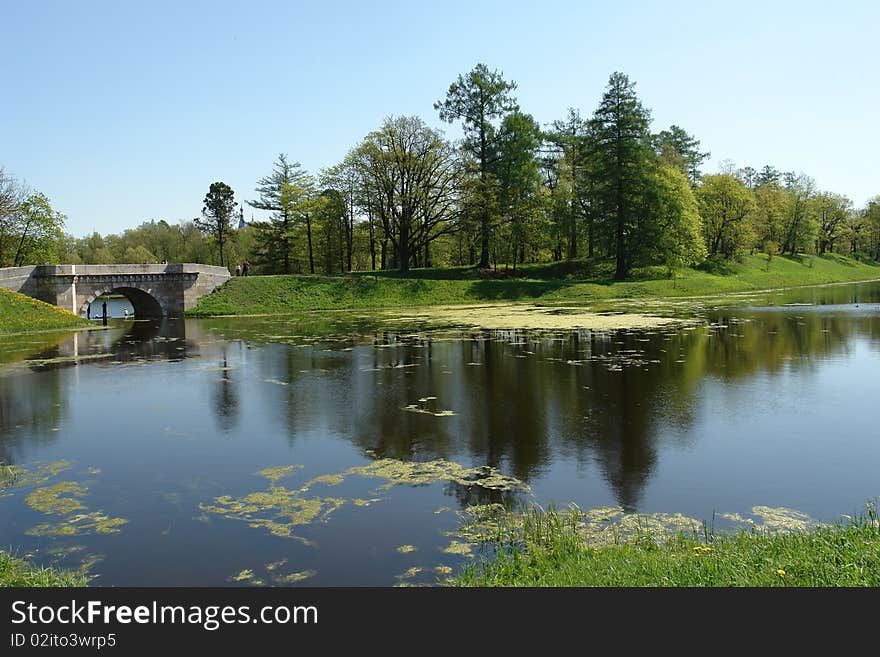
<point>553,554</point>
<point>17,572</point>
<point>559,283</point>
<point>19,313</point>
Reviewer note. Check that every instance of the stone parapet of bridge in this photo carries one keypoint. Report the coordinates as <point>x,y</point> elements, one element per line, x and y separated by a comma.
<point>153,290</point>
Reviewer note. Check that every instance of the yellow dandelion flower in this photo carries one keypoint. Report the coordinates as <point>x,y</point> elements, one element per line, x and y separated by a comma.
<point>780,572</point>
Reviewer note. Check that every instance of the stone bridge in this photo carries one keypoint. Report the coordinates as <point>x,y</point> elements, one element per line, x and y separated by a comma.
<point>153,290</point>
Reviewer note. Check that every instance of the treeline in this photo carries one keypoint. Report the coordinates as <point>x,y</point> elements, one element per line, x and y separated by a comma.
<point>510,192</point>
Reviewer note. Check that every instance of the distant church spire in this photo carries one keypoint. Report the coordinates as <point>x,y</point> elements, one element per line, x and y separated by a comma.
<point>241,218</point>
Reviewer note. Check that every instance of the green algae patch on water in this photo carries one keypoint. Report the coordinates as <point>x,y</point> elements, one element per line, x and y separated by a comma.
<point>361,502</point>
<point>527,316</point>
<point>63,498</point>
<point>422,473</point>
<point>406,549</point>
<point>58,499</point>
<point>460,548</point>
<point>410,572</point>
<point>329,479</point>
<point>275,565</point>
<point>293,578</point>
<point>773,519</point>
<point>600,531</point>
<point>16,476</point>
<point>278,472</point>
<point>247,575</point>
<point>81,523</point>
<point>278,510</point>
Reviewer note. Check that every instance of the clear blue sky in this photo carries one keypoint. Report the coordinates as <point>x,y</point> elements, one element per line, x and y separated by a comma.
<point>123,112</point>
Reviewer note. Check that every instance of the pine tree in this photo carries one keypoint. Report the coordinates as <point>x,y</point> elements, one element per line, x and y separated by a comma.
<point>281,192</point>
<point>481,97</point>
<point>622,157</point>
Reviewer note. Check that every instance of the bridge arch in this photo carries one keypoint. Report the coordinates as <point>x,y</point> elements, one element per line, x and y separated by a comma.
<point>144,303</point>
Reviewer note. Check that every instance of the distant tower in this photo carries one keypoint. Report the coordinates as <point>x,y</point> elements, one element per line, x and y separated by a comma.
<point>241,218</point>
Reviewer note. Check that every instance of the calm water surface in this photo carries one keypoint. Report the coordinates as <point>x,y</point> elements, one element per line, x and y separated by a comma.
<point>168,425</point>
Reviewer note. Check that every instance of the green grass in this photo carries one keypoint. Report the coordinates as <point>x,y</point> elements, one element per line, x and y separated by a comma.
<point>18,572</point>
<point>546,550</point>
<point>576,283</point>
<point>20,314</point>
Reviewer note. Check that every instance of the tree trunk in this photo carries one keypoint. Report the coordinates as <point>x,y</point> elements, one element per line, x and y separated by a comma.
<point>590,237</point>
<point>372,240</point>
<point>403,245</point>
<point>309,236</point>
<point>484,213</point>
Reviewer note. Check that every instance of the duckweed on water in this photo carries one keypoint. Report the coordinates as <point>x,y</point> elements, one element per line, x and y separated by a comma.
<point>329,479</point>
<point>406,549</point>
<point>279,509</point>
<point>458,547</point>
<point>416,473</point>
<point>58,499</point>
<point>773,519</point>
<point>81,523</point>
<point>292,578</point>
<point>359,502</point>
<point>16,476</point>
<point>410,572</point>
<point>279,472</point>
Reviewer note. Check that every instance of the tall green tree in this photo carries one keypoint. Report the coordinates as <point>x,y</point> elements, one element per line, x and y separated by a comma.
<point>679,149</point>
<point>480,99</point>
<point>330,218</point>
<point>412,175</point>
<point>40,229</point>
<point>727,209</point>
<point>675,230</point>
<point>216,220</point>
<point>799,222</point>
<point>832,211</point>
<point>572,192</point>
<point>283,193</point>
<point>346,180</point>
<point>518,174</point>
<point>12,194</point>
<point>872,217</point>
<point>622,157</point>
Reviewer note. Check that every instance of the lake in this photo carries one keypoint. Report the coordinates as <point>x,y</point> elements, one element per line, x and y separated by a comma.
<point>345,449</point>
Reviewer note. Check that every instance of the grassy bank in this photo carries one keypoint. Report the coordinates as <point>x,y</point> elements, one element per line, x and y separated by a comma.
<point>549,551</point>
<point>17,572</point>
<point>20,314</point>
<point>560,283</point>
